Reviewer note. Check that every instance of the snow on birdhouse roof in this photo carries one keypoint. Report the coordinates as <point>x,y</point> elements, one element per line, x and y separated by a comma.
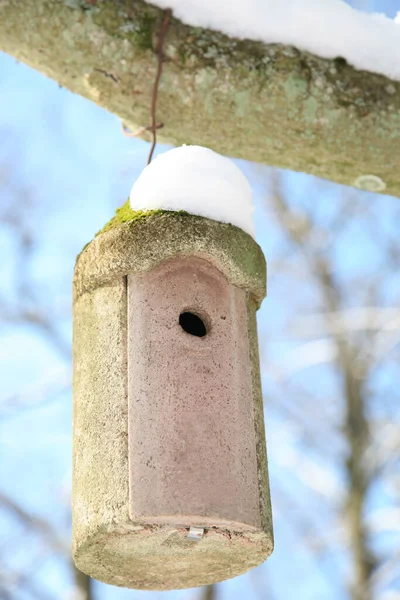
<point>327,28</point>
<point>199,181</point>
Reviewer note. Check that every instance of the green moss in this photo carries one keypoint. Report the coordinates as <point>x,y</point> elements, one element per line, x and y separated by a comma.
<point>109,19</point>
<point>136,25</point>
<point>144,31</point>
<point>125,214</point>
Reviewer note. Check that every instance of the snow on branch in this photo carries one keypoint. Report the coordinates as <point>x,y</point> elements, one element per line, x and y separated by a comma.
<point>328,28</point>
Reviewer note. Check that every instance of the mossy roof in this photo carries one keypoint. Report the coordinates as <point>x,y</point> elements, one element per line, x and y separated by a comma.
<point>137,241</point>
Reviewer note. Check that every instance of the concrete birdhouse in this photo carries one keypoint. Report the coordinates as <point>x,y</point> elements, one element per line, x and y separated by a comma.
<point>170,479</point>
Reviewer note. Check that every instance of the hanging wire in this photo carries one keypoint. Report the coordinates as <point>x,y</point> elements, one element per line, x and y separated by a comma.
<point>160,56</point>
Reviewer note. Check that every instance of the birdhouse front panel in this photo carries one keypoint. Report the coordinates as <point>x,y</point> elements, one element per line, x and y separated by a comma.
<point>192,451</point>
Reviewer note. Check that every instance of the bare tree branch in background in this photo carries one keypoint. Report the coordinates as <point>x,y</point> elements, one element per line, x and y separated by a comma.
<point>209,593</point>
<point>36,523</point>
<point>83,584</point>
<point>27,307</point>
<point>348,342</point>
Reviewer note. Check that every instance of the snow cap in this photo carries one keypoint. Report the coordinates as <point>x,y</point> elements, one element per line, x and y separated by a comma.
<point>199,181</point>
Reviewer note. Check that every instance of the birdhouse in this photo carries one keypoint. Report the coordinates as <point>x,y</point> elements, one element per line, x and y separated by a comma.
<point>170,480</point>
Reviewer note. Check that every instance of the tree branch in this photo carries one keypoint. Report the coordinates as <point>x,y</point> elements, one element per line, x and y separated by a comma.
<point>266,103</point>
<point>84,583</point>
<point>356,424</point>
<point>357,432</point>
<point>209,592</point>
<point>35,523</point>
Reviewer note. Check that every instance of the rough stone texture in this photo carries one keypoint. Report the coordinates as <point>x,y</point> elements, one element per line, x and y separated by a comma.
<point>165,559</point>
<point>266,103</point>
<point>139,246</point>
<point>115,539</point>
<point>261,446</point>
<point>100,442</point>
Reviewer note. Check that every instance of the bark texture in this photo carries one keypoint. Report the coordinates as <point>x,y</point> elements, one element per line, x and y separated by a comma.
<point>265,103</point>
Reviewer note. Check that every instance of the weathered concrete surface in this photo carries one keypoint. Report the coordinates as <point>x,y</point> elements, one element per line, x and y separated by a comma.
<point>164,559</point>
<point>100,415</point>
<point>266,103</point>
<point>109,543</point>
<point>261,446</point>
<point>139,246</point>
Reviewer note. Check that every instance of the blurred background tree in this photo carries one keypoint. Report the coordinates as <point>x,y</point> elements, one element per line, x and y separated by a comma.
<point>329,339</point>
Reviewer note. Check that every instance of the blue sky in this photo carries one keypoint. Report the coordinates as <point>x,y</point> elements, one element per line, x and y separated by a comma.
<point>70,157</point>
<point>389,7</point>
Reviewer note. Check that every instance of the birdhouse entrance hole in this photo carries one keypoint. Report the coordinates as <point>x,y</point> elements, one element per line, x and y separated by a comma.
<point>192,324</point>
